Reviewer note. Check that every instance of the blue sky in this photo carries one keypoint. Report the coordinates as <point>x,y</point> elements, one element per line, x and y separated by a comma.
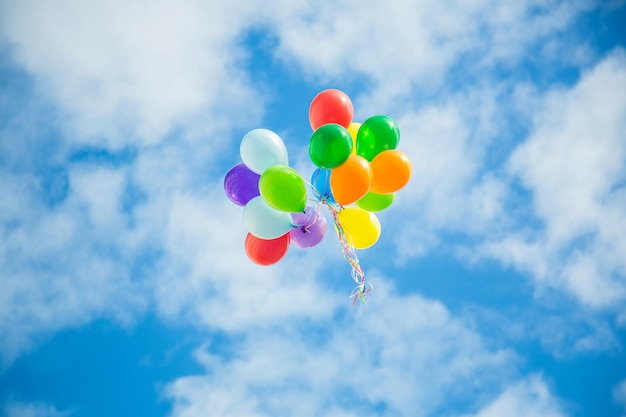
<point>500,274</point>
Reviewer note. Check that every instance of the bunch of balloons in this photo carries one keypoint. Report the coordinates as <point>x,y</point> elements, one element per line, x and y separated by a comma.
<point>358,171</point>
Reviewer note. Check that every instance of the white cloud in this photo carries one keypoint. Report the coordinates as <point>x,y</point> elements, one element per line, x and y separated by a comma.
<point>416,44</point>
<point>452,189</point>
<point>528,398</point>
<point>563,329</point>
<point>574,164</point>
<point>123,75</point>
<point>128,75</point>
<point>619,395</point>
<point>401,356</point>
<point>207,278</point>
<point>99,193</point>
<point>177,248</point>
<point>20,409</point>
<point>63,266</point>
<point>576,154</point>
<point>121,67</point>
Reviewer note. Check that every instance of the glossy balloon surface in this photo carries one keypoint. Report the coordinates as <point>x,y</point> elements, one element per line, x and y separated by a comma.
<point>377,134</point>
<point>362,227</point>
<point>266,251</point>
<point>351,181</point>
<point>330,146</point>
<point>262,148</point>
<point>283,188</point>
<point>331,106</point>
<point>309,228</point>
<point>320,184</point>
<point>241,184</point>
<point>375,202</point>
<point>263,221</point>
<point>353,129</point>
<point>392,171</point>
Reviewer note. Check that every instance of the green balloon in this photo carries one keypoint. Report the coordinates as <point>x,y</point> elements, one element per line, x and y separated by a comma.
<point>330,146</point>
<point>283,188</point>
<point>375,202</point>
<point>377,134</point>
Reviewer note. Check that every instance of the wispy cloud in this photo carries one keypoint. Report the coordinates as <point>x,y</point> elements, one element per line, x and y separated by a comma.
<point>573,164</point>
<point>619,395</point>
<point>112,203</point>
<point>401,355</point>
<point>122,73</point>
<point>20,409</point>
<point>417,44</point>
<point>530,397</point>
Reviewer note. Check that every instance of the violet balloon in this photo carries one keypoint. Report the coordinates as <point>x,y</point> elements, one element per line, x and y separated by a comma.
<point>241,184</point>
<point>309,228</point>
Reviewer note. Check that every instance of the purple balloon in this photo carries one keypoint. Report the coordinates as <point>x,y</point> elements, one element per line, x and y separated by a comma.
<point>309,228</point>
<point>241,184</point>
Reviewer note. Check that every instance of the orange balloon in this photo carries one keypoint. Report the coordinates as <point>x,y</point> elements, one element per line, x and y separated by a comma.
<point>392,171</point>
<point>351,180</point>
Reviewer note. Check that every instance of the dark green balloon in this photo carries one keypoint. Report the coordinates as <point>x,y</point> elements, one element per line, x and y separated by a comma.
<point>375,202</point>
<point>377,134</point>
<point>330,146</point>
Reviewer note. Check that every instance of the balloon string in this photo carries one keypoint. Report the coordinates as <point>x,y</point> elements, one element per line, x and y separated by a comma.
<point>363,288</point>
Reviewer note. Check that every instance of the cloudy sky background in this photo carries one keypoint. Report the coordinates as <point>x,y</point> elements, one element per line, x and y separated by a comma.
<point>500,275</point>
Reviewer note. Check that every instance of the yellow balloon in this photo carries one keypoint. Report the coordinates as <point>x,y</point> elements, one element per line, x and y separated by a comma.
<point>353,128</point>
<point>361,227</point>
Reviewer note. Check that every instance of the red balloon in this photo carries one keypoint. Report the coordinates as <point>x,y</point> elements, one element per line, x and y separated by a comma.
<point>331,106</point>
<point>264,251</point>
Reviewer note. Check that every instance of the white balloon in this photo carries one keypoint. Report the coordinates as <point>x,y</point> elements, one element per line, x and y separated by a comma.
<point>261,149</point>
<point>265,222</point>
